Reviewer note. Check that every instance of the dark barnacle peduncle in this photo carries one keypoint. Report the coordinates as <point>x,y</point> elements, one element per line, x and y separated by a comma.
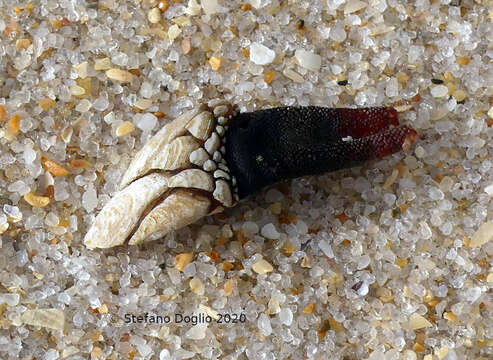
<point>267,146</point>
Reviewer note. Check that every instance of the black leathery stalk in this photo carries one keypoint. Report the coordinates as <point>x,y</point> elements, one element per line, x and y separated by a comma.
<point>267,146</point>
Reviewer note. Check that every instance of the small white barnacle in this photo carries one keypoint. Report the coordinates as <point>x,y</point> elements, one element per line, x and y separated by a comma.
<point>217,156</point>
<point>221,174</point>
<point>222,193</point>
<point>213,143</point>
<point>223,166</point>
<point>199,157</point>
<point>209,165</point>
<point>211,157</point>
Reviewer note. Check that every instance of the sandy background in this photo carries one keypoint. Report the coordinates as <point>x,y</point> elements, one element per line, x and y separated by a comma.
<point>391,260</point>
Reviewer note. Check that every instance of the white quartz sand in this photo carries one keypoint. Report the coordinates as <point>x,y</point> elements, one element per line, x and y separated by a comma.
<point>389,260</point>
